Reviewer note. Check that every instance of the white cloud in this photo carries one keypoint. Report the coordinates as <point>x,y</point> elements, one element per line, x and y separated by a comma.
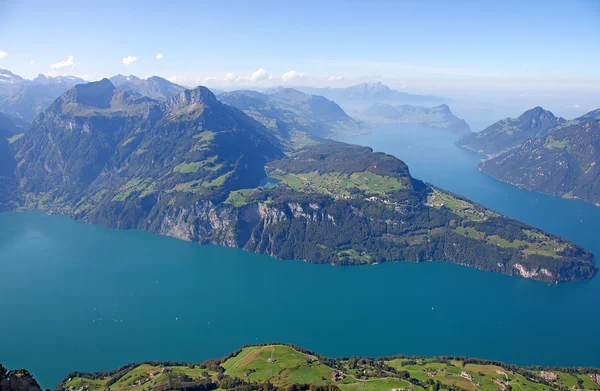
<point>399,84</point>
<point>129,60</point>
<point>3,54</point>
<point>32,62</point>
<point>334,78</point>
<point>292,75</point>
<point>86,77</point>
<point>259,75</point>
<point>159,56</point>
<point>63,64</point>
<point>177,79</point>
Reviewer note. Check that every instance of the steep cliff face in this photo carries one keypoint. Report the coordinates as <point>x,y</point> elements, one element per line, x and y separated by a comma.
<point>320,229</point>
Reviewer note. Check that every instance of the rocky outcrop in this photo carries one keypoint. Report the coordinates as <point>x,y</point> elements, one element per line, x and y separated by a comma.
<point>17,380</point>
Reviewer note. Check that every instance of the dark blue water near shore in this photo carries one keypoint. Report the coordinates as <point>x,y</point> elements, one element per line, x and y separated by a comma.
<point>77,296</point>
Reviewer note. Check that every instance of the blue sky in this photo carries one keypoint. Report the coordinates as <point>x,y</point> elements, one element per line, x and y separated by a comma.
<point>524,47</point>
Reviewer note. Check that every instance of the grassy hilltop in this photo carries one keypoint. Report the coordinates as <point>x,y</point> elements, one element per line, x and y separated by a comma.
<point>269,367</point>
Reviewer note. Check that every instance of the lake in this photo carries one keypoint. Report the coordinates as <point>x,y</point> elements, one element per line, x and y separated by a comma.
<point>80,297</point>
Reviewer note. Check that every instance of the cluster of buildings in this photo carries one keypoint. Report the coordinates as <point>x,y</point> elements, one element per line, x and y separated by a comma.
<point>466,376</point>
<point>336,376</point>
<point>401,389</point>
<point>595,378</point>
<point>501,383</point>
<point>82,388</point>
<point>158,371</point>
<point>549,376</point>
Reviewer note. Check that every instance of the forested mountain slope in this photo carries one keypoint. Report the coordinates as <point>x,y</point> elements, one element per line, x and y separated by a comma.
<point>564,163</point>
<point>511,132</point>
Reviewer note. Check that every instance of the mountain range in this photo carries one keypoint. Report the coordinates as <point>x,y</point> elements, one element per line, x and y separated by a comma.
<point>25,99</point>
<point>438,116</point>
<point>543,153</point>
<point>191,167</point>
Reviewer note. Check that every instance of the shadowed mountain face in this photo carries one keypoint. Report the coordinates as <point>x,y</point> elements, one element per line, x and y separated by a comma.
<point>25,99</point>
<point>510,132</point>
<point>154,87</point>
<point>9,126</point>
<point>288,111</point>
<point>562,161</point>
<point>8,184</point>
<point>439,116</point>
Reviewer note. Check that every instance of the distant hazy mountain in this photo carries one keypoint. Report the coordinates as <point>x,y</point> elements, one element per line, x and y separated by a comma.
<point>439,116</point>
<point>562,161</point>
<point>154,87</point>
<point>8,77</point>
<point>287,111</point>
<point>8,184</point>
<point>374,92</point>
<point>510,132</point>
<point>10,126</point>
<point>25,99</point>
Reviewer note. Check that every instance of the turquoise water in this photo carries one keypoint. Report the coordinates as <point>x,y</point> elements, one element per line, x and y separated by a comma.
<point>78,296</point>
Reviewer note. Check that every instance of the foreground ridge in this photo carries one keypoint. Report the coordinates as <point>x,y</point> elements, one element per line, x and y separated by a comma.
<point>281,366</point>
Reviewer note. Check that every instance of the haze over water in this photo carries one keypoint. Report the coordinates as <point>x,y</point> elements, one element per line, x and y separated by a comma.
<point>80,297</point>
